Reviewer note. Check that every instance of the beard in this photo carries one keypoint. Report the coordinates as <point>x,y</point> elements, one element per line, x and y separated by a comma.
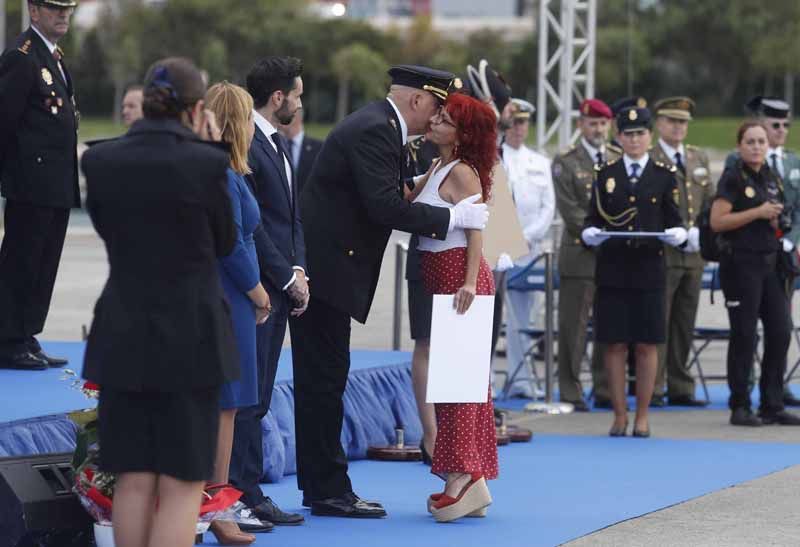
<point>284,115</point>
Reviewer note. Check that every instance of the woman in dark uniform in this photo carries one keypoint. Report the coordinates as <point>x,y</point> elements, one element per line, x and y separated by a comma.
<point>746,211</point>
<point>632,194</point>
<point>161,343</point>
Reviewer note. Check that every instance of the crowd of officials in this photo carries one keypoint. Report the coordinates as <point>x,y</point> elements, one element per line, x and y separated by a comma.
<point>200,203</point>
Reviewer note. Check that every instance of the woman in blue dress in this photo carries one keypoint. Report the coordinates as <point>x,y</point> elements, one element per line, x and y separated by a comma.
<point>239,272</point>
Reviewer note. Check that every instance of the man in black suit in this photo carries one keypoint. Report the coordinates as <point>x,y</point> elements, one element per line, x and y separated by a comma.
<point>276,86</point>
<point>352,201</point>
<point>301,149</point>
<point>38,178</point>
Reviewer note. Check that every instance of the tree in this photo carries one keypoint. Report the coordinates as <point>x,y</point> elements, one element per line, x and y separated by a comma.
<point>358,66</point>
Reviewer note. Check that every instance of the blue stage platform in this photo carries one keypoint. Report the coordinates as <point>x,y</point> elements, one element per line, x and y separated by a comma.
<point>33,407</point>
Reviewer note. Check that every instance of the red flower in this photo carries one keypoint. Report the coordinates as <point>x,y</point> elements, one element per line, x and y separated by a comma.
<point>91,386</point>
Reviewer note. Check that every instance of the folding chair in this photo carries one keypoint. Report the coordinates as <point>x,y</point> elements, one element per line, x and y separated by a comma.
<point>707,335</point>
<point>528,278</point>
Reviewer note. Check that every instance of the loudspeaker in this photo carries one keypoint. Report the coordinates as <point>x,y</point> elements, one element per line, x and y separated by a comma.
<point>36,498</point>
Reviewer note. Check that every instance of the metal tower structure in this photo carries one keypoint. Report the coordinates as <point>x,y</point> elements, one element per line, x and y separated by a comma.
<point>567,36</point>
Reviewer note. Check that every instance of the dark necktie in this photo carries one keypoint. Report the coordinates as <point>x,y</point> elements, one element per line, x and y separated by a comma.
<point>635,172</point>
<point>679,163</point>
<point>599,158</point>
<point>774,157</point>
<point>276,138</point>
<point>57,55</point>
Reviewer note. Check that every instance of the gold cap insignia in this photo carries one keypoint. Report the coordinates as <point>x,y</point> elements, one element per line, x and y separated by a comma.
<point>632,115</point>
<point>641,102</point>
<point>47,77</point>
<point>750,192</point>
<point>586,109</point>
<point>457,83</point>
<point>610,185</point>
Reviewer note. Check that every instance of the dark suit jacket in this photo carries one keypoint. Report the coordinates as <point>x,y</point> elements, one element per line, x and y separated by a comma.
<point>279,241</point>
<point>351,203</point>
<point>309,150</point>
<point>38,127</point>
<point>158,198</point>
<point>649,205</point>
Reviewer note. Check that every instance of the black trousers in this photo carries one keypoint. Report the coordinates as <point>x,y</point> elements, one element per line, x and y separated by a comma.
<point>321,357</point>
<point>754,291</point>
<point>29,258</point>
<point>247,457</point>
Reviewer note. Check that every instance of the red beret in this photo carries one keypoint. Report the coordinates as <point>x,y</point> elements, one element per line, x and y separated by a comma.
<point>595,108</point>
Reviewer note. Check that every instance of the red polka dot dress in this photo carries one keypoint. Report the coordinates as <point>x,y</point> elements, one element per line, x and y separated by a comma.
<point>466,439</point>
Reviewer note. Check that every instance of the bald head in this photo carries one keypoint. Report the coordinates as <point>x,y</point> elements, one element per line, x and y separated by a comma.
<point>416,106</point>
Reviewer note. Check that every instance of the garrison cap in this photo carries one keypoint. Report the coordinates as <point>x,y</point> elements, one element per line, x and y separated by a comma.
<point>628,102</point>
<point>58,4</point>
<point>522,109</point>
<point>772,107</point>
<point>595,108</point>
<point>633,119</point>
<point>437,82</point>
<point>679,108</point>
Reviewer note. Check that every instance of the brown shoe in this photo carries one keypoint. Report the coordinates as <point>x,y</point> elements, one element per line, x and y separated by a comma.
<point>227,532</point>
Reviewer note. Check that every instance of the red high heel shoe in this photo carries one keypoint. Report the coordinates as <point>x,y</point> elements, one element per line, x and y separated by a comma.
<point>473,497</point>
<point>433,498</point>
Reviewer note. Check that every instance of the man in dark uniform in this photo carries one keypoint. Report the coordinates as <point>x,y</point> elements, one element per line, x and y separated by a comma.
<point>350,205</point>
<point>38,178</point>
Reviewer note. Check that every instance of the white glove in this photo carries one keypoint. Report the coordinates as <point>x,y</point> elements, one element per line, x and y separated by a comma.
<point>470,215</point>
<point>693,240</point>
<point>787,245</point>
<point>504,262</point>
<point>592,236</point>
<point>674,236</point>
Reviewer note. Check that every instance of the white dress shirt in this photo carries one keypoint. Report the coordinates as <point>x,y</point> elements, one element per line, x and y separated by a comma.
<point>269,130</point>
<point>592,151</point>
<point>671,152</point>
<point>642,162</point>
<point>778,152</point>
<point>531,185</point>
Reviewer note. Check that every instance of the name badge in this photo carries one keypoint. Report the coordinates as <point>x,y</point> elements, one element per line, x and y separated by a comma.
<point>750,192</point>
<point>702,172</point>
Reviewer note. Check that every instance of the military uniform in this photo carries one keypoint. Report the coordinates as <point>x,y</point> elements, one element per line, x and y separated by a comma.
<point>573,175</point>
<point>39,179</point>
<point>693,193</point>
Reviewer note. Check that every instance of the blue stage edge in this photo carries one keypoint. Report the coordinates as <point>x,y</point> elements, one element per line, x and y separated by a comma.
<point>378,398</point>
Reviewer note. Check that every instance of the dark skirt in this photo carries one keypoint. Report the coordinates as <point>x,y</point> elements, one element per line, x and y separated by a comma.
<point>629,316</point>
<point>172,434</point>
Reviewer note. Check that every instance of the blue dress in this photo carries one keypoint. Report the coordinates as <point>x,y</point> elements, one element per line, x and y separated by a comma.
<point>239,273</point>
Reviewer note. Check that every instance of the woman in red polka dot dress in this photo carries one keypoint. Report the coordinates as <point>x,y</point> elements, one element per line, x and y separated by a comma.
<point>465,454</point>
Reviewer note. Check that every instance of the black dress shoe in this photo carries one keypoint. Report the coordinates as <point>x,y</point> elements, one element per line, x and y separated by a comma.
<point>54,362</point>
<point>263,527</point>
<point>657,402</point>
<point>345,506</point>
<point>354,498</point>
<point>580,405</point>
<point>23,361</point>
<point>789,399</point>
<point>685,400</point>
<point>641,433</point>
<point>781,418</point>
<point>745,417</point>
<point>268,511</point>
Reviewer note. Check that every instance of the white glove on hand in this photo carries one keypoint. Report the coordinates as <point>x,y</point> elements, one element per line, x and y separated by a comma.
<point>504,262</point>
<point>470,215</point>
<point>674,236</point>
<point>787,245</point>
<point>693,240</point>
<point>592,236</point>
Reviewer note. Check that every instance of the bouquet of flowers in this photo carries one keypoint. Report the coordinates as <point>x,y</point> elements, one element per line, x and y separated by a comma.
<point>95,488</point>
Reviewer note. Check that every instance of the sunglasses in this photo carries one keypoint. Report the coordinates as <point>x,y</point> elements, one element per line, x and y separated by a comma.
<point>778,125</point>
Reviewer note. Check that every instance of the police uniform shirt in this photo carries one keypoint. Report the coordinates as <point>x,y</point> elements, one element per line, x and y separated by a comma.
<point>634,168</point>
<point>745,189</point>
<point>531,186</point>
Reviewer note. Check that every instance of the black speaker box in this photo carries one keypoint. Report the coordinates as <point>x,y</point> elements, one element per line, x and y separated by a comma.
<point>36,501</point>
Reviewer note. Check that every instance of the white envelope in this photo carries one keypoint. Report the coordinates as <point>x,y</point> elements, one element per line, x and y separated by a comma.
<point>458,370</point>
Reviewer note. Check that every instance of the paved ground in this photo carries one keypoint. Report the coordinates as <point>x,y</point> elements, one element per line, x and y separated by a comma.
<point>761,512</point>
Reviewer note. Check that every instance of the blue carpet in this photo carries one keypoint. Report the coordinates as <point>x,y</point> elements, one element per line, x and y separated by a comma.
<point>28,394</point>
<point>550,491</point>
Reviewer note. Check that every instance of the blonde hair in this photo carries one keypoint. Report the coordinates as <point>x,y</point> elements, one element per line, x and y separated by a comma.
<point>233,108</point>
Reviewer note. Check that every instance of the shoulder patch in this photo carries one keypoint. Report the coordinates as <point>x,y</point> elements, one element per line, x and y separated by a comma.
<point>25,48</point>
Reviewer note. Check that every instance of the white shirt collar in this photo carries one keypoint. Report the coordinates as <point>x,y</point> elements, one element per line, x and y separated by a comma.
<point>263,124</point>
<point>50,45</point>
<point>778,150</point>
<point>641,161</point>
<point>592,150</point>
<point>670,151</point>
<point>403,126</point>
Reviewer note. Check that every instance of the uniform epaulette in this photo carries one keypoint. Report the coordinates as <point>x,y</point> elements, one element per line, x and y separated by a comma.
<point>25,47</point>
<point>612,162</point>
<point>615,149</point>
<point>670,168</point>
<point>692,147</point>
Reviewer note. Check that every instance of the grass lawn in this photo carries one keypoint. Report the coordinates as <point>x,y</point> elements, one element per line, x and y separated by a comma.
<point>717,133</point>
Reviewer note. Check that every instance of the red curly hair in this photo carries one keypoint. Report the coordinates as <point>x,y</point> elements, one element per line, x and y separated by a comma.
<point>476,126</point>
